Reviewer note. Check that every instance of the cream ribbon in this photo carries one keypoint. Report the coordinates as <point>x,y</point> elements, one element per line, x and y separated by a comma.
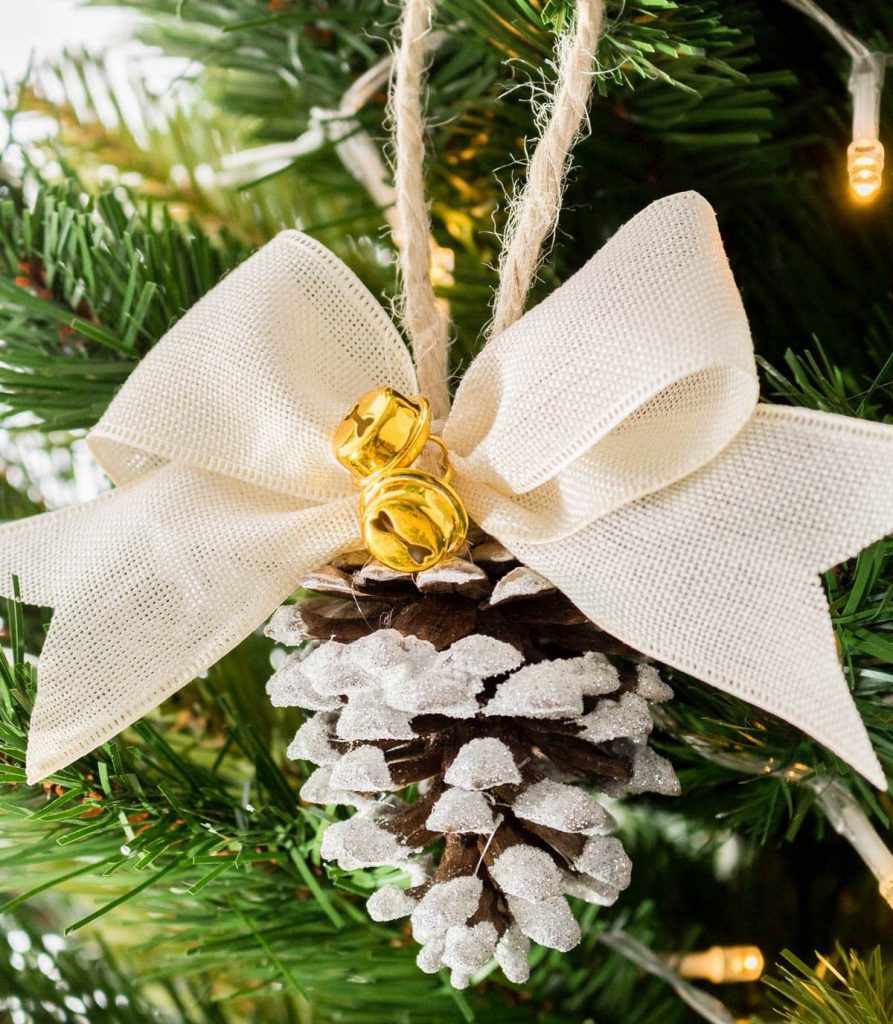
<point>611,439</point>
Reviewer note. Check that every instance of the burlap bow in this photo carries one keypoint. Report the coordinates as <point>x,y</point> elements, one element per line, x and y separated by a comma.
<point>611,439</point>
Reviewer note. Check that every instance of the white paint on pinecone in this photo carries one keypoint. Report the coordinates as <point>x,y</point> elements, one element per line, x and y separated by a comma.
<point>367,717</point>
<point>611,719</point>
<point>460,810</point>
<point>479,656</point>
<point>311,742</point>
<point>650,685</point>
<point>520,582</point>
<point>511,954</point>
<point>447,903</point>
<point>386,653</point>
<point>390,903</point>
<point>363,770</point>
<point>550,923</point>
<point>560,806</point>
<point>430,956</point>
<point>467,949</point>
<point>360,843</point>
<point>428,693</point>
<point>590,890</point>
<point>597,675</point>
<point>528,872</point>
<point>492,552</point>
<point>285,626</point>
<point>331,669</point>
<point>455,574</point>
<point>318,789</point>
<point>288,687</point>
<point>652,773</point>
<point>549,689</point>
<point>459,979</point>
<point>481,764</point>
<point>604,859</point>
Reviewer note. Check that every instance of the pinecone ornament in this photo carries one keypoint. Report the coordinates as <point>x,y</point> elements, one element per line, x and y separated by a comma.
<point>485,689</point>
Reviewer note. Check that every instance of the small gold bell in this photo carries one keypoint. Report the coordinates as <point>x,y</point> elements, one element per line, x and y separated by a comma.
<point>411,520</point>
<point>382,431</point>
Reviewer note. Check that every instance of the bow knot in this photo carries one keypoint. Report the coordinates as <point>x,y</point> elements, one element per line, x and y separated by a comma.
<point>610,438</point>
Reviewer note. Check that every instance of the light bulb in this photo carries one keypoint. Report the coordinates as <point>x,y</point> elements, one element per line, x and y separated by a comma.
<point>723,964</point>
<point>865,166</point>
<point>865,155</point>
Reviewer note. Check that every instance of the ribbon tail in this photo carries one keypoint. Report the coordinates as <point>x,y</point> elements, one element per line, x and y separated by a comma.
<point>151,584</point>
<point>718,575</point>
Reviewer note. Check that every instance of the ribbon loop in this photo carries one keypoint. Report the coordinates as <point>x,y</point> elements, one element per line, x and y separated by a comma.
<point>616,385</point>
<point>255,394</point>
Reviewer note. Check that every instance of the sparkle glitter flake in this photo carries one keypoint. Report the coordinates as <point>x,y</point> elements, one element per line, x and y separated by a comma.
<point>318,789</point>
<point>479,656</point>
<point>511,954</point>
<point>549,689</point>
<point>312,740</point>
<point>286,626</point>
<point>597,675</point>
<point>527,872</point>
<point>332,670</point>
<point>604,859</point>
<point>590,890</point>
<point>652,773</point>
<point>483,764</point>
<point>467,949</point>
<point>288,687</point>
<point>367,717</point>
<point>360,843</point>
<point>363,770</point>
<point>650,685</point>
<point>550,923</point>
<point>430,956</point>
<point>386,653</point>
<point>519,583</point>
<point>389,903</point>
<point>447,903</point>
<point>560,806</point>
<point>628,716</point>
<point>460,810</point>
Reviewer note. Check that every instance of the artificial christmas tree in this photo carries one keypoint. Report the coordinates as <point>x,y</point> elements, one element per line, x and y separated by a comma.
<point>190,827</point>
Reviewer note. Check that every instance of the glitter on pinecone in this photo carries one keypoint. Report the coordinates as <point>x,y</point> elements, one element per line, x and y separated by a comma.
<point>480,685</point>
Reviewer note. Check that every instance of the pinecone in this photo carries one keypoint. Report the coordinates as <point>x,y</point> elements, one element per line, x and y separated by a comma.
<point>485,688</point>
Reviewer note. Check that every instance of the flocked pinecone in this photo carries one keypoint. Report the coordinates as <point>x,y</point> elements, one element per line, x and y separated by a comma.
<point>481,685</point>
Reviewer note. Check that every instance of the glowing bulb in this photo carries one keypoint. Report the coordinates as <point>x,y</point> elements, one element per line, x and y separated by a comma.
<point>723,964</point>
<point>865,155</point>
<point>865,166</point>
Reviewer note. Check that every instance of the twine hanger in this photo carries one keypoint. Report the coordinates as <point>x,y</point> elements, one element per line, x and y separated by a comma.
<point>534,207</point>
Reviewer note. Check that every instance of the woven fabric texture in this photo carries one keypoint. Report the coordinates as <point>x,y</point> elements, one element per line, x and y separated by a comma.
<point>611,439</point>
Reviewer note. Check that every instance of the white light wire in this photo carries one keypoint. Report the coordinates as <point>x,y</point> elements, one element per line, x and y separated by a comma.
<point>865,155</point>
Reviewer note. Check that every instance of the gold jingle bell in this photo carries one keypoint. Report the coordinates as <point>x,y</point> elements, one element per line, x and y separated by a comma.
<point>382,431</point>
<point>410,519</point>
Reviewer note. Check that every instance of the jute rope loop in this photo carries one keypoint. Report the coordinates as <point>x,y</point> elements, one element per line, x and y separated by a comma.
<point>535,206</point>
<point>425,320</point>
<point>534,210</point>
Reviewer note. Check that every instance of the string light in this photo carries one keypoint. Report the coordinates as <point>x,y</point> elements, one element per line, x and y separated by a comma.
<point>703,1003</point>
<point>865,154</point>
<point>837,803</point>
<point>721,964</point>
